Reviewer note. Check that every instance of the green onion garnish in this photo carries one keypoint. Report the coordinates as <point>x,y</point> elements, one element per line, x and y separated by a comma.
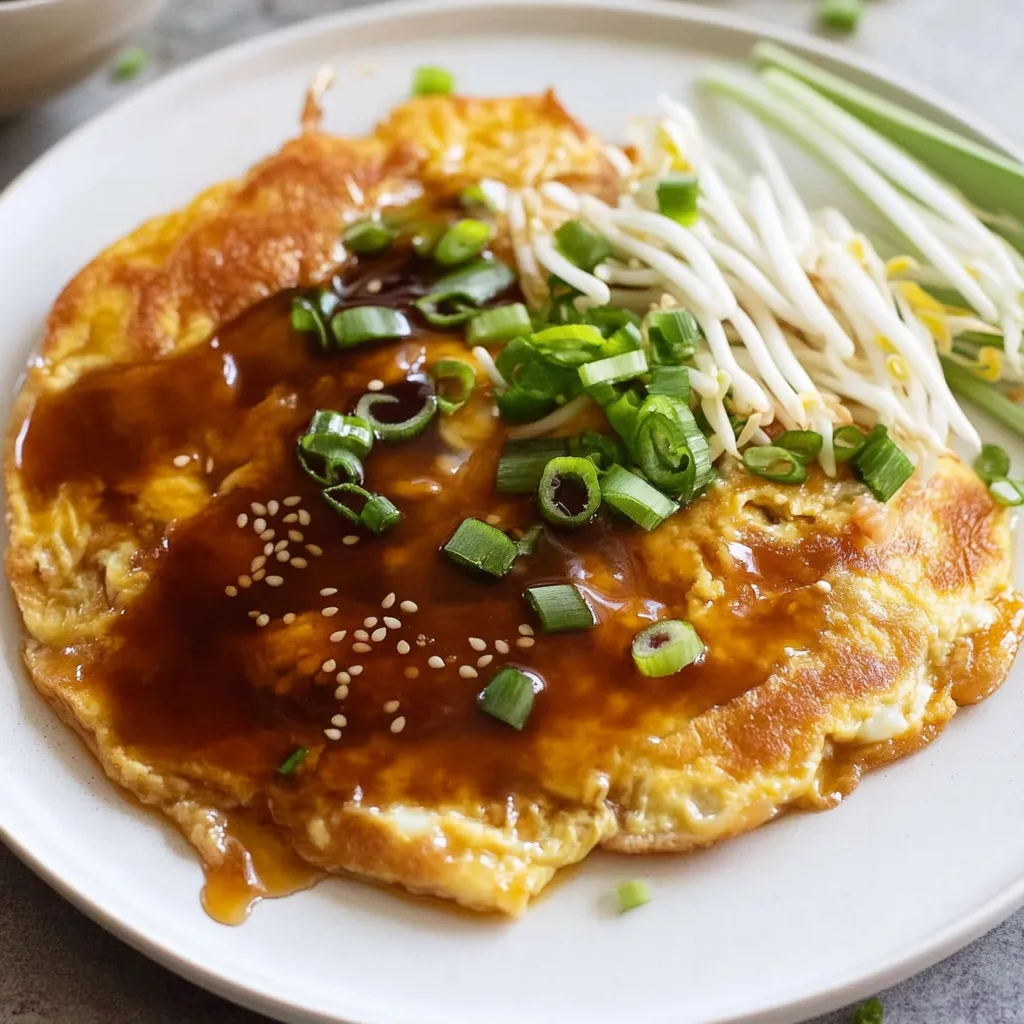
<point>992,463</point>
<point>847,441</point>
<point>666,647</point>
<point>602,450</point>
<point>478,545</point>
<point>882,465</point>
<point>462,242</point>
<point>636,498</point>
<point>528,541</point>
<point>353,431</point>
<point>129,63</point>
<point>1006,492</point>
<point>774,463</point>
<point>456,296</point>
<point>614,369</point>
<point>632,894</point>
<point>292,761</point>
<point>307,319</point>
<point>508,697</point>
<point>664,456</point>
<point>499,324</point>
<point>673,334</point>
<point>367,237</point>
<point>569,492</point>
<point>677,197</point>
<point>333,446</point>
<point>425,237</point>
<point>449,375</point>
<point>522,463</point>
<point>804,444</point>
<point>610,318</point>
<point>569,344</point>
<point>840,15</point>
<point>560,607</point>
<point>581,246</point>
<point>673,381</point>
<point>366,407</point>
<point>376,513</point>
<point>432,81</point>
<point>360,324</point>
<point>871,1012</point>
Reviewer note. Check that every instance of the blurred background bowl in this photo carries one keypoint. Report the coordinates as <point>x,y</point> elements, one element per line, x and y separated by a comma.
<point>49,45</point>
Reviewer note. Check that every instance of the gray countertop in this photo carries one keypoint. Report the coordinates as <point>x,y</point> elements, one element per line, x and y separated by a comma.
<point>56,965</point>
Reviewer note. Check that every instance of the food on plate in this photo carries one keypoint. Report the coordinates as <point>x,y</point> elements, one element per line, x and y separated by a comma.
<point>440,505</point>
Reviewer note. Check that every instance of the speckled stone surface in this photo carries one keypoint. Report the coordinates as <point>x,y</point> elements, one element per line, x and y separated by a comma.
<point>56,966</point>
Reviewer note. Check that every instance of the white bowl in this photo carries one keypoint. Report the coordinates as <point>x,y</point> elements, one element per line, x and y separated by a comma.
<point>48,45</point>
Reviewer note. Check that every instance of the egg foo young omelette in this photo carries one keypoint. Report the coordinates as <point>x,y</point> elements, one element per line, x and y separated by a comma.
<point>440,505</point>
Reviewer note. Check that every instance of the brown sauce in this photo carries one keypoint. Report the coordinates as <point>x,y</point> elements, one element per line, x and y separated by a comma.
<point>190,679</point>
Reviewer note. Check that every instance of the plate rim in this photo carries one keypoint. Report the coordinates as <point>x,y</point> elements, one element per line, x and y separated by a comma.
<point>841,989</point>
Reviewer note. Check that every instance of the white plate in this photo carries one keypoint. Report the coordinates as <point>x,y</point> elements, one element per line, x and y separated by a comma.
<point>793,919</point>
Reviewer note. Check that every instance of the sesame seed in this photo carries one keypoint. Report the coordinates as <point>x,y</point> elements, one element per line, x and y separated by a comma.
<point>328,591</point>
<point>398,724</point>
<point>181,461</point>
<point>375,385</point>
<point>391,707</point>
<point>361,634</point>
<point>374,286</point>
<point>403,647</point>
<point>209,464</point>
<point>484,660</point>
<point>501,646</point>
<point>392,623</point>
<point>258,562</point>
<point>290,518</point>
<point>339,720</point>
<point>337,636</point>
<point>824,586</point>
<point>258,508</point>
<point>292,499</point>
<point>258,575</point>
<point>328,612</point>
<point>299,562</point>
<point>231,591</point>
<point>288,618</point>
<point>468,672</point>
<point>370,621</point>
<point>378,634</point>
<point>315,550</point>
<point>341,692</point>
<point>241,520</point>
<point>410,606</point>
<point>272,507</point>
<point>343,678</point>
<point>329,665</point>
<point>525,629</point>
<point>525,641</point>
<point>412,672</point>
<point>435,662</point>
<point>275,581</point>
<point>350,539</point>
<point>281,545</point>
<point>361,648</point>
<point>254,614</point>
<point>332,734</point>
<point>355,670</point>
<point>493,519</point>
<point>304,517</point>
<point>477,644</point>
<point>267,535</point>
<point>388,601</point>
<point>283,556</point>
<point>295,536</point>
<point>263,620</point>
<point>245,582</point>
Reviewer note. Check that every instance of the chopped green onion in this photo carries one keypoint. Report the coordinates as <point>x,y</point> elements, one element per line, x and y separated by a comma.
<point>1006,492</point>
<point>882,465</point>
<point>804,444</point>
<point>352,431</point>
<point>306,319</point>
<point>292,761</point>
<point>560,607</point>
<point>840,15</point>
<point>677,198</point>
<point>502,323</point>
<point>425,237</point>
<point>673,334</point>
<point>508,697</point>
<point>569,344</point>
<point>664,456</point>
<point>666,647</point>
<point>129,63</point>
<point>602,450</point>
<point>328,462</point>
<point>402,430</point>
<point>456,295</point>
<point>632,894</point>
<point>871,1012</point>
<point>522,463</point>
<point>367,237</point>
<point>432,81</point>
<point>377,513</point>
<point>464,378</point>
<point>614,369</point>
<point>569,492</point>
<point>847,441</point>
<point>636,498</point>
<point>610,318</point>
<point>478,545</point>
<point>463,241</point>
<point>360,324</point>
<point>528,542</point>
<point>992,463</point>
<point>475,197</point>
<point>673,381</point>
<point>581,246</point>
<point>774,463</point>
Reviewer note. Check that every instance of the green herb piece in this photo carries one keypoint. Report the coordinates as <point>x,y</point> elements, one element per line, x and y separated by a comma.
<point>432,81</point>
<point>560,607</point>
<point>666,647</point>
<point>632,894</point>
<point>478,545</point>
<point>508,697</point>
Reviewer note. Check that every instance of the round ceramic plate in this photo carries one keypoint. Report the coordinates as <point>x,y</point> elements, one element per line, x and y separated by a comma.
<point>800,916</point>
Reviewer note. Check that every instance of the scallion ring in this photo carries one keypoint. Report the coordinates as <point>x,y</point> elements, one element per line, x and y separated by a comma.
<point>307,319</point>
<point>502,323</point>
<point>677,198</point>
<point>377,513</point>
<point>847,441</point>
<point>508,697</point>
<point>522,463</point>
<point>614,369</point>
<point>569,492</point>
<point>992,463</point>
<point>673,335</point>
<point>664,456</point>
<point>805,444</point>
<point>453,375</point>
<point>666,647</point>
<point>636,498</point>
<point>359,324</point>
<point>882,464</point>
<point>463,241</point>
<point>776,464</point>
<point>581,246</point>
<point>560,607</point>
<point>457,296</point>
<point>367,237</point>
<point>371,406</point>
<point>478,545</point>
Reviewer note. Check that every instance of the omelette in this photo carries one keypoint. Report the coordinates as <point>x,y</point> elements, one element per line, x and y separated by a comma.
<point>306,679</point>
